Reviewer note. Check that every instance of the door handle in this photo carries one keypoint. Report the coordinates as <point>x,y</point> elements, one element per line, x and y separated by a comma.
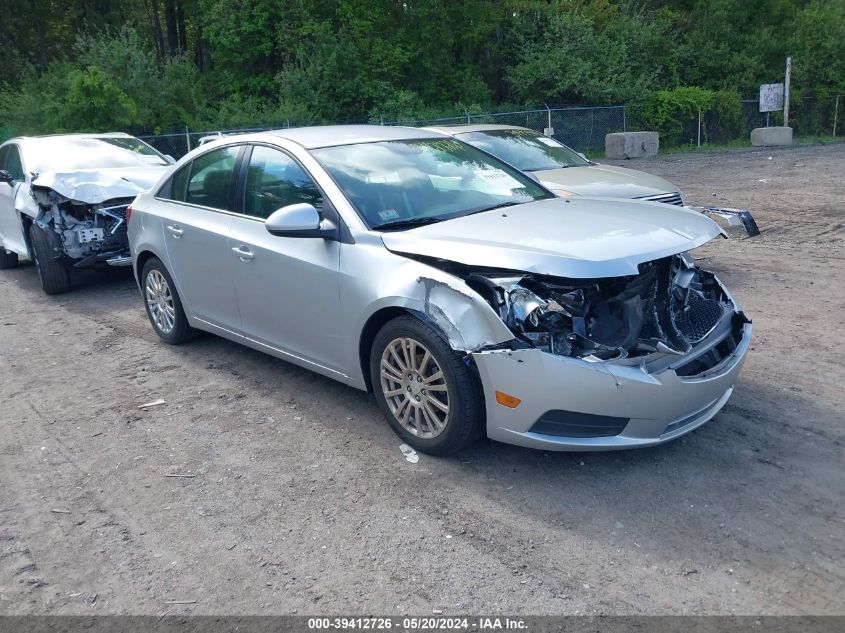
<point>243,253</point>
<point>175,230</point>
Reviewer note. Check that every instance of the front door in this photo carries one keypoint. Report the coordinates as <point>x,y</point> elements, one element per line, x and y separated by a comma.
<point>287,287</point>
<point>11,232</point>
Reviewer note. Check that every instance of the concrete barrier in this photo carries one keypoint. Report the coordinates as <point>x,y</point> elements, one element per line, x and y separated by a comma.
<point>621,145</point>
<point>771,136</point>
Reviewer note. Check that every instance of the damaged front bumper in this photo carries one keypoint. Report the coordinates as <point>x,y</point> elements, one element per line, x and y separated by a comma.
<point>727,218</point>
<point>628,407</point>
<point>581,404</point>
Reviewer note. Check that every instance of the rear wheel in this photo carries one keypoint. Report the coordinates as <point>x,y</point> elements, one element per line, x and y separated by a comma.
<point>55,278</point>
<point>163,305</point>
<point>429,396</point>
<point>7,259</point>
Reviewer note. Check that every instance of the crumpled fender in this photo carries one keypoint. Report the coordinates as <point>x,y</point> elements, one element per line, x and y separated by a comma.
<point>466,320</point>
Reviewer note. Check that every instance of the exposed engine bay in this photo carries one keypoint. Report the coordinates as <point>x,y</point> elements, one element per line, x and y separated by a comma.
<point>667,308</point>
<point>89,233</point>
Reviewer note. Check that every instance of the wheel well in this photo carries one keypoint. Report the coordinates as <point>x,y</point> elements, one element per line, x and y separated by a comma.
<point>27,222</point>
<point>368,334</point>
<point>141,261</point>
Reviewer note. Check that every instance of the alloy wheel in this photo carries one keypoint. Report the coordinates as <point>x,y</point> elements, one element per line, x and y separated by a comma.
<point>414,387</point>
<point>160,301</point>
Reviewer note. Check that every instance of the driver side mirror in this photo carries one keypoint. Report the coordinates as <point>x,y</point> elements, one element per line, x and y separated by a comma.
<point>6,177</point>
<point>298,220</point>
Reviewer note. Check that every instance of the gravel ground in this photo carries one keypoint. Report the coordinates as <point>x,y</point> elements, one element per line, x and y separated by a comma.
<point>295,497</point>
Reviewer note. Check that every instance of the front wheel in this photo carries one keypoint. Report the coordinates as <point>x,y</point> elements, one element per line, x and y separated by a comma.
<point>429,396</point>
<point>54,276</point>
<point>163,305</point>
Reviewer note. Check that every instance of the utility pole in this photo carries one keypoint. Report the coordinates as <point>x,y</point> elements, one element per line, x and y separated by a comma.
<point>786,91</point>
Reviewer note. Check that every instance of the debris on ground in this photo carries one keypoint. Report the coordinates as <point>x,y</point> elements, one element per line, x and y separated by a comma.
<point>154,403</point>
<point>409,453</point>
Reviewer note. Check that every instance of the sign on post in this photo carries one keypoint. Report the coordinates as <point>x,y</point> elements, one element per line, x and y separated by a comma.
<point>771,97</point>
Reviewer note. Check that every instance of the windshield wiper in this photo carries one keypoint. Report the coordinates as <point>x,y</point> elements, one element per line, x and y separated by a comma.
<point>495,206</point>
<point>406,224</point>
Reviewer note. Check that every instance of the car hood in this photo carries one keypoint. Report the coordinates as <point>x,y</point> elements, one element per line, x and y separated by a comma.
<point>605,180</point>
<point>564,237</point>
<point>98,185</point>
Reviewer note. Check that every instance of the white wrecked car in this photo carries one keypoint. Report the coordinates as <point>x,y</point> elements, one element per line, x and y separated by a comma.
<point>63,201</point>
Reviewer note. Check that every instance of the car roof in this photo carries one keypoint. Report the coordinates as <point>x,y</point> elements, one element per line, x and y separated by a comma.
<point>49,136</point>
<point>332,135</point>
<point>452,130</point>
<point>32,141</point>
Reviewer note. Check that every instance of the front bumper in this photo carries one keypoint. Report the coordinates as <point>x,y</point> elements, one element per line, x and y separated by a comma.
<point>727,218</point>
<point>650,408</point>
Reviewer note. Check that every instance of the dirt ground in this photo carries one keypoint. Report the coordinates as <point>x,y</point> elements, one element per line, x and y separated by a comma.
<point>297,499</point>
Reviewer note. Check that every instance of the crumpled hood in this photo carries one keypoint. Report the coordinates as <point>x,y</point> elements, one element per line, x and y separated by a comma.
<point>565,237</point>
<point>605,180</point>
<point>98,185</point>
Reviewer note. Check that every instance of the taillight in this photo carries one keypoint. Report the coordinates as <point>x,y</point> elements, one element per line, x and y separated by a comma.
<point>128,214</point>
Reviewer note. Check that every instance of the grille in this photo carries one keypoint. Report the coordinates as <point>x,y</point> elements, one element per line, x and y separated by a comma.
<point>668,198</point>
<point>698,318</point>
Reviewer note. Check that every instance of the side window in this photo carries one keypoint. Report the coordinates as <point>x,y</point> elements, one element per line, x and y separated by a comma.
<point>211,179</point>
<point>178,184</point>
<point>12,163</point>
<point>275,180</point>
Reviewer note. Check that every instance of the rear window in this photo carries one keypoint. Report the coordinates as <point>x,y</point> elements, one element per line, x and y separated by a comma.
<point>206,181</point>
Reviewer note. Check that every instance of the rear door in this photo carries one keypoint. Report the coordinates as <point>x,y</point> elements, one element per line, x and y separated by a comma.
<point>287,287</point>
<point>196,216</point>
<point>11,232</point>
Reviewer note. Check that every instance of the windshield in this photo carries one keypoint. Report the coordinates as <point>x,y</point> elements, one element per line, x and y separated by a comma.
<point>58,153</point>
<point>403,183</point>
<point>525,149</point>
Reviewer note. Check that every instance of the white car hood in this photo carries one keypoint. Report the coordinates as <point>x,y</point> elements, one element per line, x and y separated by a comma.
<point>605,180</point>
<point>98,185</point>
<point>572,237</point>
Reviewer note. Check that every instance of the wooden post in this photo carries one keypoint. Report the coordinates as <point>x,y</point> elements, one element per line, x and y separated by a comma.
<point>786,92</point>
<point>835,114</point>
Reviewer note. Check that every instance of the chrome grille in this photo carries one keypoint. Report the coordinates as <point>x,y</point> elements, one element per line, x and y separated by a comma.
<point>667,198</point>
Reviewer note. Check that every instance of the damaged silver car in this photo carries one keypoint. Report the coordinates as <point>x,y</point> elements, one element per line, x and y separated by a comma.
<point>63,201</point>
<point>466,296</point>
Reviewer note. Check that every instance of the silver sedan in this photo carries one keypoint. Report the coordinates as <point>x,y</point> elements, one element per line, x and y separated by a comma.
<point>466,296</point>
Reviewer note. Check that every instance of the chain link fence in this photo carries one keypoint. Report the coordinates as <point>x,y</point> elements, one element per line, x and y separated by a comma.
<point>584,128</point>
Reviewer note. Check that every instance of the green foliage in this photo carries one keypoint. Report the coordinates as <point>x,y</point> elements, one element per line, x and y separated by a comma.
<point>674,114</point>
<point>669,111</point>
<point>568,55</point>
<point>157,66</point>
<point>94,102</point>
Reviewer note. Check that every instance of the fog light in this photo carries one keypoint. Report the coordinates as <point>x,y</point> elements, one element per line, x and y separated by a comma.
<point>506,400</point>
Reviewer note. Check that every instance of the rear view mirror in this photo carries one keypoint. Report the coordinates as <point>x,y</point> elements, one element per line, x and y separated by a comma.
<point>6,177</point>
<point>582,155</point>
<point>295,220</point>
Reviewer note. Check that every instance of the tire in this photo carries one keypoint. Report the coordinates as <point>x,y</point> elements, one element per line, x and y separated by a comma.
<point>55,278</point>
<point>425,426</point>
<point>7,259</point>
<point>163,305</point>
